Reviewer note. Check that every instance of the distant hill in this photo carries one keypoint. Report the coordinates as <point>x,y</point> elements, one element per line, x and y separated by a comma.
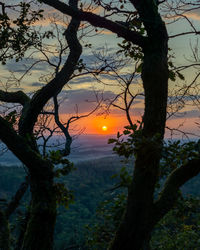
<point>91,183</point>
<point>85,147</point>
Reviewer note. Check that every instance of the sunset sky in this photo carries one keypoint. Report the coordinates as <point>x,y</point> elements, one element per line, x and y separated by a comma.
<point>81,92</point>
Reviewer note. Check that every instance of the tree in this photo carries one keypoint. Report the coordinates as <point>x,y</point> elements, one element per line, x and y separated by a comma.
<point>142,211</point>
<point>15,40</point>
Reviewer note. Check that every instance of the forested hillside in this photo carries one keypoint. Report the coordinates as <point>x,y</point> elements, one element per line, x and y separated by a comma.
<point>90,184</point>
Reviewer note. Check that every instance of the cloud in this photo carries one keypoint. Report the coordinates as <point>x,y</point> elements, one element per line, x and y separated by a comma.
<point>83,99</point>
<point>134,111</point>
<point>24,64</point>
<point>17,89</point>
<point>37,84</point>
<point>186,114</point>
<point>195,14</point>
<point>83,79</point>
<point>103,77</point>
<point>125,76</point>
<point>106,48</point>
<point>192,113</point>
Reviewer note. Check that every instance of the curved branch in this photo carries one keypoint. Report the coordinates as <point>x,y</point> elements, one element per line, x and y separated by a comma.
<point>14,97</point>
<point>22,150</point>
<point>176,179</point>
<point>98,21</point>
<point>41,97</point>
<point>64,129</point>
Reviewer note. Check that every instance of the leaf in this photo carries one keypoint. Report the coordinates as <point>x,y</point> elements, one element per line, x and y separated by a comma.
<point>139,68</point>
<point>126,132</point>
<point>128,127</point>
<point>172,76</point>
<point>110,141</point>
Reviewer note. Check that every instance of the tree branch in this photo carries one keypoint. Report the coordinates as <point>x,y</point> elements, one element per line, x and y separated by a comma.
<point>64,129</point>
<point>176,179</point>
<point>98,21</point>
<point>41,97</point>
<point>21,149</point>
<point>14,97</point>
<point>14,203</point>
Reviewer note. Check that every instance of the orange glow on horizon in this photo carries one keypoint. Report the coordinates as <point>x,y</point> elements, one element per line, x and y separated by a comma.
<point>99,125</point>
<point>114,123</point>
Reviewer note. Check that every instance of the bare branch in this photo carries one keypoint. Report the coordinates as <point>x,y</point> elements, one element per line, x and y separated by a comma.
<point>20,148</point>
<point>64,129</point>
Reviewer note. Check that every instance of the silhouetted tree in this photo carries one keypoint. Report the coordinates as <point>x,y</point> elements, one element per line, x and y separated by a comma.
<point>143,212</point>
<point>15,40</point>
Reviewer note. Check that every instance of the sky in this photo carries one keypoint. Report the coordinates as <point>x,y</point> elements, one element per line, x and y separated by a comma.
<point>85,93</point>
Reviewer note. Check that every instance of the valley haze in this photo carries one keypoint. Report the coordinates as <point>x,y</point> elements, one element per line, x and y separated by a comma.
<point>85,147</point>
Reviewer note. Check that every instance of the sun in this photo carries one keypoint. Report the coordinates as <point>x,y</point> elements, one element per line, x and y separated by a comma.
<point>104,128</point>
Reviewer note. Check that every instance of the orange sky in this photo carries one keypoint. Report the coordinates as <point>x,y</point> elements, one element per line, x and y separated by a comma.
<point>93,124</point>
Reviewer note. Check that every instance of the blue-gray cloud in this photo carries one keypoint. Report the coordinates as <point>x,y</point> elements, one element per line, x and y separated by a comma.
<point>187,114</point>
<point>83,79</point>
<point>85,99</point>
<point>37,84</point>
<point>24,64</point>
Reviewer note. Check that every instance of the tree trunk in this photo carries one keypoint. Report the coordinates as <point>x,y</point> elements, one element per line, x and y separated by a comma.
<point>4,232</point>
<point>40,228</point>
<point>137,222</point>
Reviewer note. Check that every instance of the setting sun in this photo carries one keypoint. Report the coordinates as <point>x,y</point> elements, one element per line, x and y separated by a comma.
<point>104,128</point>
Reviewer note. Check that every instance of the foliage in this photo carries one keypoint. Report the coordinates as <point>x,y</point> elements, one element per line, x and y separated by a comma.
<point>109,214</point>
<point>173,72</point>
<point>89,183</point>
<point>62,167</point>
<point>16,34</point>
<point>124,143</point>
<point>179,229</point>
<point>176,154</point>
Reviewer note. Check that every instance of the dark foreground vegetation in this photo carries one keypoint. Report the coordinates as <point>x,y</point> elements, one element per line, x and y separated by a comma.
<point>96,206</point>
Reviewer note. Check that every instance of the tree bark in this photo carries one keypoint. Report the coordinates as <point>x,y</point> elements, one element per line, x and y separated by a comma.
<point>40,228</point>
<point>137,222</point>
<point>4,231</point>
